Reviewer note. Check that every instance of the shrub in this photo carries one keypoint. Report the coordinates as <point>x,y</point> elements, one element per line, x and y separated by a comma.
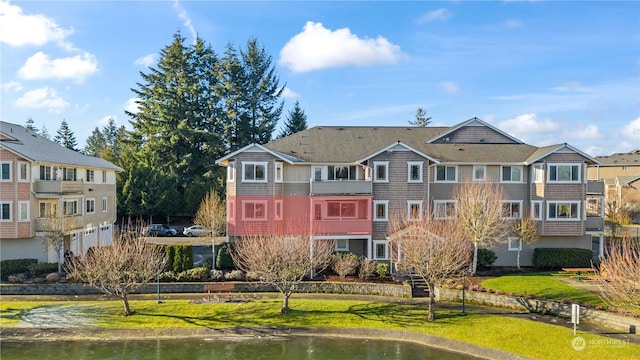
<point>345,264</point>
<point>367,268</point>
<point>42,268</point>
<point>208,263</point>
<point>217,275</point>
<point>169,276</point>
<point>557,258</point>
<point>182,258</point>
<point>169,254</point>
<point>197,273</point>
<point>486,258</point>
<point>223,258</point>
<point>16,266</point>
<point>382,269</point>
<point>234,275</point>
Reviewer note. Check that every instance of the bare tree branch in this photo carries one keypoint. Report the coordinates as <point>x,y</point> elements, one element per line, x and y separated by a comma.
<point>619,274</point>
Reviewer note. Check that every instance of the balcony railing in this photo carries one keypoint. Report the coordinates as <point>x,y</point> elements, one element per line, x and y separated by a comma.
<point>595,187</point>
<point>58,187</point>
<point>340,187</point>
<point>594,224</point>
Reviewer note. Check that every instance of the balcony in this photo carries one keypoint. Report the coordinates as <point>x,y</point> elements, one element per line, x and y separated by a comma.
<point>59,187</point>
<point>340,187</point>
<point>595,187</point>
<point>594,224</point>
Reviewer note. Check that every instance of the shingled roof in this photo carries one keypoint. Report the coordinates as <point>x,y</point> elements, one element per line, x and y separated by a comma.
<point>35,147</point>
<point>620,159</point>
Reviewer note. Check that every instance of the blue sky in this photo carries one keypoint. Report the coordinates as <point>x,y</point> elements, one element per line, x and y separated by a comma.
<point>546,72</point>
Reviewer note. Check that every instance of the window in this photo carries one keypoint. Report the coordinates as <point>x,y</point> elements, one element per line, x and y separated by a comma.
<point>45,172</point>
<point>342,245</point>
<point>594,207</point>
<point>511,209</point>
<point>414,169</point>
<point>479,173</point>
<point>254,210</point>
<point>68,174</point>
<point>568,210</point>
<point>446,173</point>
<point>278,171</point>
<point>342,172</point>
<point>5,171</point>
<point>23,211</point>
<point>380,210</point>
<point>90,174</point>
<point>104,176</point>
<point>23,171</point>
<point>381,171</point>
<point>514,244</point>
<point>48,209</point>
<point>278,209</point>
<point>70,207</point>
<point>536,210</point>
<point>317,173</point>
<point>91,206</point>
<point>5,211</point>
<point>564,173</point>
<point>537,173</point>
<point>255,172</point>
<point>380,249</point>
<point>341,209</point>
<point>104,204</point>
<point>511,174</point>
<point>231,171</point>
<point>414,210</point>
<point>444,209</point>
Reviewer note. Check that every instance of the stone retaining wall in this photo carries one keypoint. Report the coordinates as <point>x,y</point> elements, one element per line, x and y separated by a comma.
<point>599,317</point>
<point>393,290</point>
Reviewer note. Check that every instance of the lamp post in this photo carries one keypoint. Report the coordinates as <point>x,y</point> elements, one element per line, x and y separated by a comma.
<point>463,313</point>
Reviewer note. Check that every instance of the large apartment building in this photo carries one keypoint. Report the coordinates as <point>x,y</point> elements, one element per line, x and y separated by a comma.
<point>346,183</point>
<point>42,182</point>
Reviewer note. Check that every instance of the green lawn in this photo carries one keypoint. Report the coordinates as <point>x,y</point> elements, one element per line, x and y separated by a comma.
<point>528,338</point>
<point>541,285</point>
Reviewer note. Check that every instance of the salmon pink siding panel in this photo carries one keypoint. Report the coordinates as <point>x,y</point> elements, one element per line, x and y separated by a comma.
<point>24,191</point>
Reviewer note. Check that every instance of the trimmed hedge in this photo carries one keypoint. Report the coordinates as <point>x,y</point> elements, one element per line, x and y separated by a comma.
<point>178,257</point>
<point>486,258</point>
<point>557,258</point>
<point>16,266</point>
<point>223,258</point>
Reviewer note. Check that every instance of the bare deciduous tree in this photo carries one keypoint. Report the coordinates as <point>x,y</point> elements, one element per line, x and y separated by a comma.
<point>619,275</point>
<point>282,260</point>
<point>479,207</point>
<point>118,270</point>
<point>435,250</point>
<point>55,229</point>
<point>212,214</point>
<point>527,231</point>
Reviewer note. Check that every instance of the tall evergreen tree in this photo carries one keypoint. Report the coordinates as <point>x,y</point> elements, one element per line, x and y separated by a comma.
<point>65,136</point>
<point>296,121</point>
<point>45,132</point>
<point>421,118</point>
<point>96,143</point>
<point>30,125</point>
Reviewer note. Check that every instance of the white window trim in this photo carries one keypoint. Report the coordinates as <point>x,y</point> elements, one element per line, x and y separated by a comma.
<point>254,202</point>
<point>10,163</point>
<point>87,205</point>
<point>420,166</point>
<point>564,181</point>
<point>278,214</point>
<point>79,204</point>
<point>512,248</point>
<point>255,163</point>
<point>231,171</point>
<point>519,202</point>
<point>484,173</point>
<point>278,175</point>
<point>549,203</point>
<point>10,219</point>
<point>455,174</point>
<point>231,210</point>
<point>386,249</point>
<point>28,217</point>
<point>346,245</point>
<point>533,173</point>
<point>386,171</point>
<point>512,181</point>
<point>533,204</point>
<point>105,204</point>
<point>104,176</point>
<point>409,204</point>
<point>90,175</point>
<point>26,164</point>
<point>386,210</point>
<point>435,207</point>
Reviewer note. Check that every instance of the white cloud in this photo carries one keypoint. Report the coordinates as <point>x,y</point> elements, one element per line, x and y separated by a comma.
<point>586,133</point>
<point>105,120</point>
<point>44,97</point>
<point>182,14</point>
<point>11,86</point>
<point>318,48</point>
<point>439,14</point>
<point>449,86</point>
<point>132,105</point>
<point>41,66</point>
<point>631,130</point>
<point>287,93</point>
<point>526,124</point>
<point>19,29</point>
<point>146,60</point>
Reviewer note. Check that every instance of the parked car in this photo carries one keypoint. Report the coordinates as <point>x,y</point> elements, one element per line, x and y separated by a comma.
<point>196,230</point>
<point>158,230</point>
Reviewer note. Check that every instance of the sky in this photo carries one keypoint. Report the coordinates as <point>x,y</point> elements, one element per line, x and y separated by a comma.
<point>546,72</point>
